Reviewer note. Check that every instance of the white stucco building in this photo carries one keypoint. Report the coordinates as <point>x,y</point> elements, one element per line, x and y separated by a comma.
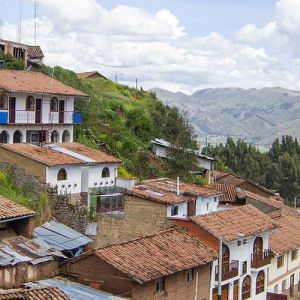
<point>71,167</point>
<point>244,232</point>
<point>284,271</point>
<point>36,109</point>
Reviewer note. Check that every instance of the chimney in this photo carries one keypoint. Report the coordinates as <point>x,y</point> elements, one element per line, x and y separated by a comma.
<point>178,189</point>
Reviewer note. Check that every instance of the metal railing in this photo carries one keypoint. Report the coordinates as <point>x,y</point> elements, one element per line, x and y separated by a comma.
<point>228,271</point>
<point>259,260</point>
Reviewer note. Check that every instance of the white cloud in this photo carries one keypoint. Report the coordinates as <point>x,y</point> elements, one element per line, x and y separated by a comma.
<point>82,35</point>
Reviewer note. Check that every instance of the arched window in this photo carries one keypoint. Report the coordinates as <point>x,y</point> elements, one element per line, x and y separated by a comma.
<point>3,102</point>
<point>260,282</point>
<point>30,103</point>
<point>62,175</point>
<point>246,288</point>
<point>66,136</point>
<point>54,137</point>
<point>17,138</point>
<point>4,137</point>
<point>258,246</point>
<point>54,104</point>
<point>105,172</point>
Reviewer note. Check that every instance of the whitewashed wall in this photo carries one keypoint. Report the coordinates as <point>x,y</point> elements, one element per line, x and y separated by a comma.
<point>182,210</point>
<point>206,205</point>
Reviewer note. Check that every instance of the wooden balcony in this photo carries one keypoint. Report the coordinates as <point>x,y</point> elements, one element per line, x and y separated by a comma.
<point>261,259</point>
<point>229,271</point>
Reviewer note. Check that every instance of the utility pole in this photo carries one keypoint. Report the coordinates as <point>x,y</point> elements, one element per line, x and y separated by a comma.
<point>206,144</point>
<point>1,20</point>
<point>136,84</point>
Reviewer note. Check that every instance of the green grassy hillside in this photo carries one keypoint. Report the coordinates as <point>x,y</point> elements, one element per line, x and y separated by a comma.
<point>124,121</point>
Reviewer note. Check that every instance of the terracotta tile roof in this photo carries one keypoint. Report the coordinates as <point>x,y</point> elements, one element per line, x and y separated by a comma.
<point>34,83</point>
<point>35,52</point>
<point>42,155</point>
<point>46,293</point>
<point>227,178</point>
<point>156,195</point>
<point>284,209</point>
<point>229,192</point>
<point>51,157</point>
<point>151,257</point>
<point>10,210</point>
<point>90,74</point>
<point>231,224</point>
<point>97,155</point>
<point>169,185</point>
<point>286,237</point>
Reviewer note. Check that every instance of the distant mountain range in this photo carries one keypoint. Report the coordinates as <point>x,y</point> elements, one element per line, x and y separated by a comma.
<point>256,115</point>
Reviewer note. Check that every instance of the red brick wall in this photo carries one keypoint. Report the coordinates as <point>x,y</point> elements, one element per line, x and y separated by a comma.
<point>94,272</point>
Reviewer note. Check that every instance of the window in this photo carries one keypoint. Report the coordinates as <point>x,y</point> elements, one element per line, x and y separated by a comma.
<point>246,288</point>
<point>105,173</point>
<point>54,104</point>
<point>207,206</point>
<point>174,210</point>
<point>4,137</point>
<point>280,260</point>
<point>62,175</point>
<point>30,103</point>
<point>239,243</point>
<point>245,242</point>
<point>260,282</point>
<point>276,289</point>
<point>66,136</point>
<point>3,102</point>
<point>54,137</point>
<point>284,282</point>
<point>294,254</point>
<point>244,267</point>
<point>160,285</point>
<point>17,138</point>
<point>190,275</point>
<point>215,199</point>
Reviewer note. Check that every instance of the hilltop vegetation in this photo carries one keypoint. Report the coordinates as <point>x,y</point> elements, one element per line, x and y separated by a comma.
<point>277,169</point>
<point>124,121</point>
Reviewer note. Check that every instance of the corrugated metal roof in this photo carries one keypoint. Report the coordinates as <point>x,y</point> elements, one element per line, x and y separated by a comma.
<point>73,290</point>
<point>18,249</point>
<point>60,236</point>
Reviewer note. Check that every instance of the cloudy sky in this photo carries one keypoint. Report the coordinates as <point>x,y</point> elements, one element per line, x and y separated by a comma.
<point>181,45</point>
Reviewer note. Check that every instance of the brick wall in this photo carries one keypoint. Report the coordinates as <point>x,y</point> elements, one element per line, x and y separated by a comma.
<point>30,167</point>
<point>142,217</point>
<point>24,227</point>
<point>15,276</point>
<point>96,273</point>
<point>93,271</point>
<point>177,288</point>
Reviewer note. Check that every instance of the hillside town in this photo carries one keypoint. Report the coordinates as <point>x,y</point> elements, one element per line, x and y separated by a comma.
<point>105,236</point>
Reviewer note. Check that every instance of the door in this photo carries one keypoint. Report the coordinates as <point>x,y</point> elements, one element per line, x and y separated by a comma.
<point>224,293</point>
<point>258,249</point>
<point>38,111</point>
<point>12,110</point>
<point>61,111</point>
<point>292,283</point>
<point>236,290</point>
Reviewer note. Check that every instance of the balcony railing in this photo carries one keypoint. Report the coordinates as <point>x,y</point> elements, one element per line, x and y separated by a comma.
<point>228,271</point>
<point>259,260</point>
<point>36,117</point>
<point>65,117</point>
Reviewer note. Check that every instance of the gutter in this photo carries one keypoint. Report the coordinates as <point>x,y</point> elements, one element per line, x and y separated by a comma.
<point>18,218</point>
